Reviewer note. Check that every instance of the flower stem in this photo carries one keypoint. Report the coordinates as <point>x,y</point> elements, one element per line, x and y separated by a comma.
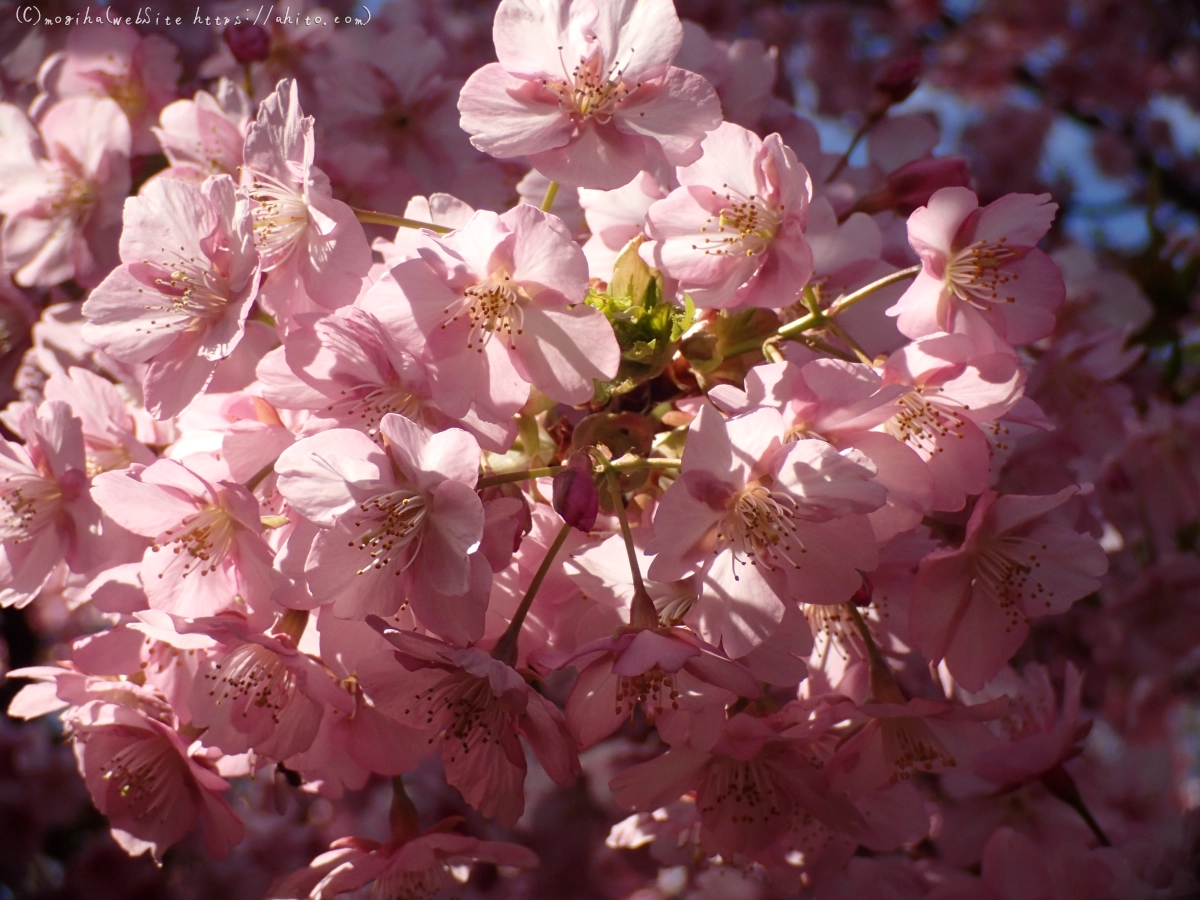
<point>883,686</point>
<point>844,303</point>
<point>260,476</point>
<point>816,317</point>
<point>1058,781</point>
<point>488,481</point>
<point>506,648</point>
<point>402,817</point>
<point>642,613</point>
<point>371,217</point>
<point>551,193</point>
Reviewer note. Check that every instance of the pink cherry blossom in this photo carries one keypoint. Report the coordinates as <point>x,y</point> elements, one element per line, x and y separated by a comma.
<point>47,514</point>
<point>981,271</point>
<point>732,233</point>
<point>422,866</point>
<point>397,525</point>
<point>259,692</point>
<point>479,707</point>
<point>751,788</point>
<point>972,605</point>
<point>180,298</point>
<point>900,739</point>
<point>588,91</point>
<point>311,243</point>
<point>208,552</point>
<point>144,778</point>
<point>352,371</point>
<point>663,670</point>
<point>499,305</point>
<point>61,204</point>
<point>138,72</point>
<point>206,135</point>
<point>767,523</point>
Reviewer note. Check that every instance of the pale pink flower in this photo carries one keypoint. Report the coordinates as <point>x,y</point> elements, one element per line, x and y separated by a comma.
<point>425,866</point>
<point>398,524</point>
<point>259,692</point>
<point>480,708</point>
<point>180,298</point>
<point>110,425</point>
<point>587,91</point>
<point>208,553</point>
<point>742,72</point>
<point>206,135</point>
<point>841,402</point>
<point>972,605</point>
<point>61,191</point>
<point>617,217</point>
<point>146,780</point>
<point>733,233</point>
<point>139,72</point>
<point>312,244</point>
<point>767,523</point>
<point>47,514</point>
<point>754,786</point>
<point>499,304</point>
<point>982,273</point>
<point>351,371</point>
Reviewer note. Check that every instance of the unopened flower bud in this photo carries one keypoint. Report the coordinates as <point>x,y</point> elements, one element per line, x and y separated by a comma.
<point>575,496</point>
<point>248,42</point>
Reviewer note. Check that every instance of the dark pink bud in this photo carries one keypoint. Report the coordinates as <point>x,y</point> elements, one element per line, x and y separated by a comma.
<point>248,42</point>
<point>575,496</point>
<point>899,80</point>
<point>912,185</point>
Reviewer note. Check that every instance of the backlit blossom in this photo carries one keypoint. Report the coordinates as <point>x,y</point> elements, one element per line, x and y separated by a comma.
<point>767,524</point>
<point>732,233</point>
<point>398,524</point>
<point>180,298</point>
<point>587,91</point>
<point>972,605</point>
<point>499,304</point>
<point>61,190</point>
<point>479,708</point>
<point>981,270</point>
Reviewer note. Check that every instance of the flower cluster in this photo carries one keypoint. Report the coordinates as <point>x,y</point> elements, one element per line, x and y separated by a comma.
<point>705,492</point>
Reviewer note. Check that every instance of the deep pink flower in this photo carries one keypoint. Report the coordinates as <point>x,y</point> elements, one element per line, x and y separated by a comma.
<point>662,670</point>
<point>61,191</point>
<point>499,304</point>
<point>971,606</point>
<point>982,272</point>
<point>756,784</point>
<point>180,298</point>
<point>733,232</point>
<point>398,524</point>
<point>144,778</point>
<point>480,708</point>
<point>767,524</point>
<point>587,91</point>
<point>427,865</point>
<point>897,740</point>
<point>208,554</point>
